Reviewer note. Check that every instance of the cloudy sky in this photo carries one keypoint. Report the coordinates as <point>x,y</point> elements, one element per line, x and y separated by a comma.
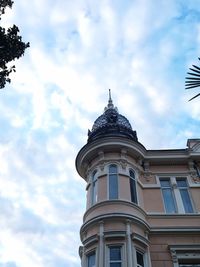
<point>141,49</point>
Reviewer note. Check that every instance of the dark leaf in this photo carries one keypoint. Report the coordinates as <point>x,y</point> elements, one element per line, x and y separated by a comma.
<point>11,46</point>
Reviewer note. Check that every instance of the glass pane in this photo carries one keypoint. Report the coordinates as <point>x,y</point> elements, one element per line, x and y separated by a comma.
<point>133,191</point>
<point>112,169</point>
<point>115,253</point>
<point>94,193</point>
<point>132,174</point>
<point>181,182</point>
<point>140,260</point>
<point>169,200</point>
<point>113,186</point>
<point>115,264</point>
<point>165,182</point>
<point>186,201</point>
<point>91,260</point>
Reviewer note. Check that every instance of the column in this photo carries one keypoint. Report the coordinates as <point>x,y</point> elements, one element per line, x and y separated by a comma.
<point>101,244</point>
<point>83,258</point>
<point>129,244</point>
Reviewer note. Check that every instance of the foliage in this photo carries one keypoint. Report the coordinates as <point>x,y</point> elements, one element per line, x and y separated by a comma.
<point>193,80</point>
<point>11,46</point>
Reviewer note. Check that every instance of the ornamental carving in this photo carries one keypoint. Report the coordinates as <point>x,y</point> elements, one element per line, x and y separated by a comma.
<point>123,163</point>
<point>147,176</point>
<point>174,256</point>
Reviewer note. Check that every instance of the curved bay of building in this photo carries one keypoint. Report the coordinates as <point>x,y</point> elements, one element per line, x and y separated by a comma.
<point>142,205</point>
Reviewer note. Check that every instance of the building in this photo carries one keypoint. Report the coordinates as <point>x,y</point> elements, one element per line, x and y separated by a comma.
<point>143,206</point>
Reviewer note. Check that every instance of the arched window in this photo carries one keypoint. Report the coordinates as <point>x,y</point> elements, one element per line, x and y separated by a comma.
<point>94,188</point>
<point>113,182</point>
<point>133,187</point>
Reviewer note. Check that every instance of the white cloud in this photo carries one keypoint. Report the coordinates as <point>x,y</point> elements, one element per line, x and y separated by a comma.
<point>139,49</point>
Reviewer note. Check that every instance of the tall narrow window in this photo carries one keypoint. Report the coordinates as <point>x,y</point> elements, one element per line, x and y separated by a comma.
<point>168,195</point>
<point>133,187</point>
<point>140,259</point>
<point>115,257</point>
<point>113,182</point>
<point>91,260</point>
<point>94,187</point>
<point>183,188</point>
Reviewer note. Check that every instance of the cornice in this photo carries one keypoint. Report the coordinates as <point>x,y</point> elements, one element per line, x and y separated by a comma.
<point>114,216</point>
<point>135,150</point>
<point>114,202</point>
<point>174,216</point>
<point>176,230</point>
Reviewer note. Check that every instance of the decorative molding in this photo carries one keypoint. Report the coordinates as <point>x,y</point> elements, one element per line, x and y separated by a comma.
<point>173,255</point>
<point>102,165</point>
<point>115,202</point>
<point>186,251</point>
<point>148,176</point>
<point>90,240</point>
<point>123,164</point>
<point>114,234</point>
<point>176,230</point>
<point>114,216</point>
<point>143,240</point>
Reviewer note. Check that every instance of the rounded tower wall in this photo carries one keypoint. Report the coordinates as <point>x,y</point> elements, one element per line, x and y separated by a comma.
<point>115,220</point>
<point>96,173</point>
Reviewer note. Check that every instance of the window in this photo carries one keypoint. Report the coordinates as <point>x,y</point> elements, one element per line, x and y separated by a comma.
<point>168,195</point>
<point>91,259</point>
<point>94,187</point>
<point>140,259</point>
<point>115,257</point>
<point>133,187</point>
<point>176,195</point>
<point>113,182</point>
<point>183,188</point>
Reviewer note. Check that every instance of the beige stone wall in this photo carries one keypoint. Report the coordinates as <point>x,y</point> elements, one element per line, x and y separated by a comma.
<point>102,188</point>
<point>168,168</point>
<point>153,201</point>
<point>124,192</point>
<point>195,194</point>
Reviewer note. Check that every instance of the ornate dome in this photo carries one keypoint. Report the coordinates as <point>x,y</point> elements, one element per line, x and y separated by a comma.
<point>111,123</point>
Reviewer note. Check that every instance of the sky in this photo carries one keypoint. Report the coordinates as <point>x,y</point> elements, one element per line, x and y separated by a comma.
<point>142,50</point>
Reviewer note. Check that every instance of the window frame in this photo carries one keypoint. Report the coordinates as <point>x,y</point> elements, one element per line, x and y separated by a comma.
<point>143,257</point>
<point>180,189</point>
<point>178,198</point>
<point>109,182</point>
<point>170,187</point>
<point>94,187</point>
<point>91,253</point>
<point>134,180</point>
<point>107,258</point>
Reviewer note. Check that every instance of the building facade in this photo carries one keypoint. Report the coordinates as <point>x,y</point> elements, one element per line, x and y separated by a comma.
<point>143,206</point>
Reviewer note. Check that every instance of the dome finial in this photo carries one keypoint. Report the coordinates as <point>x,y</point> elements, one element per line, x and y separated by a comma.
<point>110,103</point>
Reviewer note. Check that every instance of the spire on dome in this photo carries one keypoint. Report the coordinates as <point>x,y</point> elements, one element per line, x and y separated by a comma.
<point>110,103</point>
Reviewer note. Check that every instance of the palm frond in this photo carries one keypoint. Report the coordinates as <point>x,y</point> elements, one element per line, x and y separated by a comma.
<point>193,80</point>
